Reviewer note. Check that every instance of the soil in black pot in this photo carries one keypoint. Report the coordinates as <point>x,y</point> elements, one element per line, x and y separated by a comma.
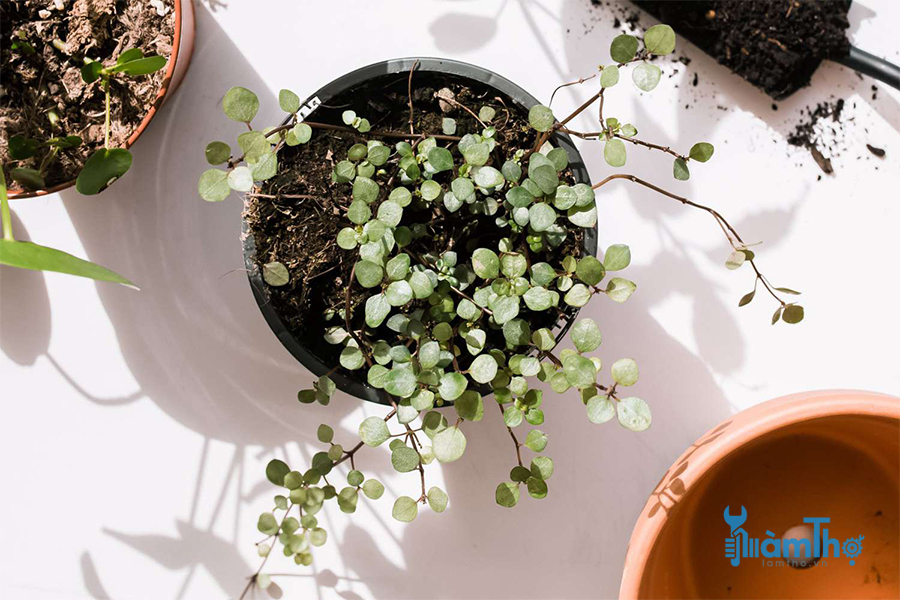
<point>42,74</point>
<point>775,45</point>
<point>300,233</point>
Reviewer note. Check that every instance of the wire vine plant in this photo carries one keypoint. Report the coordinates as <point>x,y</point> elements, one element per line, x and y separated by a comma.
<point>461,324</point>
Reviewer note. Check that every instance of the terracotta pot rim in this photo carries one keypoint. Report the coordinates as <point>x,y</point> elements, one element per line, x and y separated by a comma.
<point>749,425</point>
<point>178,41</point>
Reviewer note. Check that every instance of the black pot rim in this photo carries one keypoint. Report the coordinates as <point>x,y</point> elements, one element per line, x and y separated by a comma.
<point>348,384</point>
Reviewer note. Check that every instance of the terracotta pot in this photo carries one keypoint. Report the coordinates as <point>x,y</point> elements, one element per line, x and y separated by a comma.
<point>833,454</point>
<point>182,48</point>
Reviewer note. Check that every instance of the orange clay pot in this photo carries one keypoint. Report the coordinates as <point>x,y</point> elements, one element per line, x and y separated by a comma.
<point>182,48</point>
<point>832,454</point>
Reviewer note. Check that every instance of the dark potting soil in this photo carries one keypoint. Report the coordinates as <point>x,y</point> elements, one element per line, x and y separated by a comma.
<point>62,33</point>
<point>300,233</point>
<point>774,44</point>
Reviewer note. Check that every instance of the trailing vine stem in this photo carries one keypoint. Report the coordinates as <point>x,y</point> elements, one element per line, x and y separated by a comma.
<point>440,304</point>
<point>734,239</point>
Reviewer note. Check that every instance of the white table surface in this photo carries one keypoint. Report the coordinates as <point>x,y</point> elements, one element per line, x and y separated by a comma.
<point>135,426</point>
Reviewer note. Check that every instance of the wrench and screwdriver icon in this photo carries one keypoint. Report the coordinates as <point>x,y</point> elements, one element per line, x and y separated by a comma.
<point>732,544</point>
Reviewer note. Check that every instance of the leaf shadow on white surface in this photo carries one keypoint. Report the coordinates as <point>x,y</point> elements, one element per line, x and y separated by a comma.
<point>92,582</point>
<point>199,349</point>
<point>193,338</point>
<point>25,319</point>
<point>192,547</point>
<point>457,33</point>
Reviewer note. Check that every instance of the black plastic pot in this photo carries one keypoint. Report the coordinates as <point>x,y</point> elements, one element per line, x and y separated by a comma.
<point>390,71</point>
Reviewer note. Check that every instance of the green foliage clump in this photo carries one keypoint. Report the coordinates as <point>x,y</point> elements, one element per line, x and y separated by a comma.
<point>470,322</point>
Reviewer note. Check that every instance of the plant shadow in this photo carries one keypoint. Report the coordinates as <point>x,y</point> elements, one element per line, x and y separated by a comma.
<point>25,318</point>
<point>199,349</point>
<point>193,337</point>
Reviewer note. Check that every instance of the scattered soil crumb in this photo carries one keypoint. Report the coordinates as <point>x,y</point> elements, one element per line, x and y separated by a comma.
<point>879,152</point>
<point>821,133</point>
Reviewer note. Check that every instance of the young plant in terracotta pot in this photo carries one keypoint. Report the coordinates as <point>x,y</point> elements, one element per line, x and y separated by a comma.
<point>421,233</point>
<point>82,80</point>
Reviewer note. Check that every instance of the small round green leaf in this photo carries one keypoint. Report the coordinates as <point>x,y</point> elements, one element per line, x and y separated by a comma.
<point>537,488</point>
<point>399,293</point>
<point>452,386</point>
<point>240,179</point>
<point>600,409</point>
<point>578,296</point>
<point>405,509</point>
<point>680,170</point>
<point>543,339</point>
<point>373,489</point>
<point>267,524</point>
<point>374,431</point>
<point>401,382</point>
<point>430,190</point>
<point>646,76</point>
<point>483,368</point>
<point>368,273</point>
<point>440,159</point>
<point>102,168</point>
<point>365,189</point>
<point>541,118</point>
<point>541,216</point>
<point>437,499</point>
<point>488,177</point>
<point>536,440</point>
<point>213,186</point>
<point>590,270</point>
<point>288,101</point>
<point>276,470</point>
<point>542,467</point>
<point>614,153</point>
<point>660,39</point>
<point>275,274</point>
<point>623,48</point>
<point>377,309</point>
<point>701,151</point>
<point>404,459</point>
<point>217,153</point>
<point>609,76</point>
<point>351,358</point>
<point>633,413</point>
<point>507,494</point>
<point>793,314</point>
<point>449,444</point>
<point>538,298</point>
<point>617,257</point>
<point>240,104</point>
<point>619,290</point>
<point>625,371</point>
<point>586,335</point>
<point>579,371</point>
<point>486,263</point>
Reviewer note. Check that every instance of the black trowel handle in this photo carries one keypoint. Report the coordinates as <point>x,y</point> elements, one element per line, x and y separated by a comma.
<point>871,65</point>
